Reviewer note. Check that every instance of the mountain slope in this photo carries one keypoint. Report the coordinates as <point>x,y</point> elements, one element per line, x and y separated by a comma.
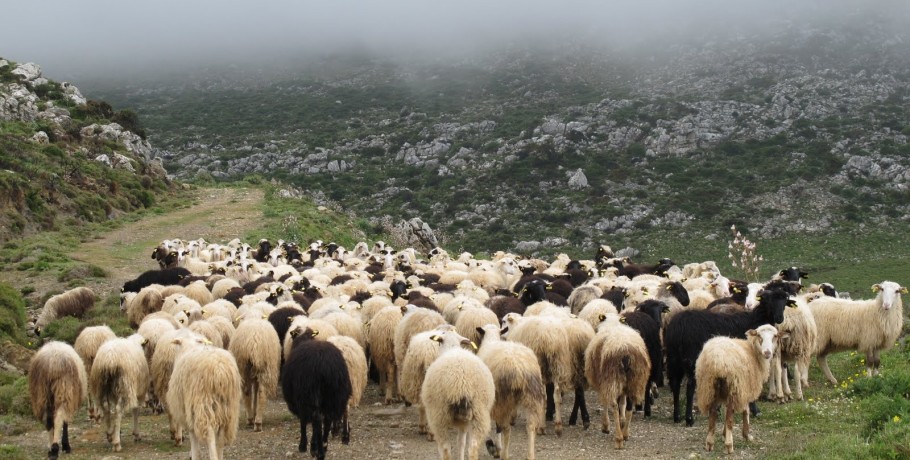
<point>801,129</point>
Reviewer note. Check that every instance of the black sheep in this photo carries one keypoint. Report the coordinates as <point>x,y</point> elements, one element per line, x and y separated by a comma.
<point>262,254</point>
<point>165,277</point>
<point>502,305</point>
<point>792,274</point>
<point>616,295</point>
<point>251,286</point>
<point>316,387</point>
<point>646,320</point>
<point>235,296</point>
<point>688,331</point>
<point>281,320</point>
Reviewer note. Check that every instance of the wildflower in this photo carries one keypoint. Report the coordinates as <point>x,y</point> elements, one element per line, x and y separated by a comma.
<point>896,419</point>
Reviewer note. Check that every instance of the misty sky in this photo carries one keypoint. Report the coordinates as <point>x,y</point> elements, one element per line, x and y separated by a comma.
<point>67,36</point>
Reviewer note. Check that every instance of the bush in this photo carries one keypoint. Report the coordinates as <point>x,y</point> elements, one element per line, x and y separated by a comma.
<point>12,315</point>
<point>65,329</point>
<point>14,397</point>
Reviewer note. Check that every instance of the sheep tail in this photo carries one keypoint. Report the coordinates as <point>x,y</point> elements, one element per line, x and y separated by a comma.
<point>627,364</point>
<point>49,423</point>
<point>720,388</point>
<point>461,411</point>
<point>110,382</point>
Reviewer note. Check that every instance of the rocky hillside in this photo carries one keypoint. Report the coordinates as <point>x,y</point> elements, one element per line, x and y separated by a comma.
<point>65,159</point>
<point>545,149</point>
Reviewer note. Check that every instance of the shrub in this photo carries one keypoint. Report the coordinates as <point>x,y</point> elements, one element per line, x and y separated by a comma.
<point>12,315</point>
<point>14,397</point>
<point>65,329</point>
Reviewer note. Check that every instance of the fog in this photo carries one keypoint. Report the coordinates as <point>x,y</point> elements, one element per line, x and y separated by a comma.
<point>70,38</point>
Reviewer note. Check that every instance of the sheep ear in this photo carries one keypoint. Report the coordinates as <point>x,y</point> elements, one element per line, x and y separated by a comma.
<point>177,341</point>
<point>758,298</point>
<point>294,333</point>
<point>783,335</point>
<point>792,303</point>
<point>314,333</point>
<point>781,273</point>
<point>876,287</point>
<point>601,317</point>
<point>751,333</point>
<point>665,309</point>
<point>480,331</point>
<point>504,330</point>
<point>436,338</point>
<point>622,319</point>
<point>468,342</point>
<point>404,310</point>
<point>903,290</point>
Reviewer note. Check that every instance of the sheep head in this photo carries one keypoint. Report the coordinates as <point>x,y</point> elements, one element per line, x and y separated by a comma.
<point>889,293</point>
<point>765,338</point>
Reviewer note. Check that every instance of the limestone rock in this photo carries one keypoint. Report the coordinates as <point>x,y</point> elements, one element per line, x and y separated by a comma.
<point>578,180</point>
<point>28,71</point>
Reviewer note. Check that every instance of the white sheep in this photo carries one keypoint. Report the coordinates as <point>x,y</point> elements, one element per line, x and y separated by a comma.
<point>204,396</point>
<point>86,345</point>
<point>380,335</point>
<point>162,367</point>
<point>414,320</point>
<point>257,350</point>
<point>548,338</point>
<point>56,386</point>
<point>617,366</point>
<point>519,383</point>
<point>798,348</point>
<point>732,372</point>
<point>74,302</point>
<point>868,326</point>
<point>356,361</point>
<point>471,319</point>
<point>119,382</point>
<point>146,302</point>
<point>458,392</point>
<point>422,351</point>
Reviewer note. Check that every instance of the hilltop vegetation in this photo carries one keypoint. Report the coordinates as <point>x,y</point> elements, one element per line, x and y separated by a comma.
<point>63,161</point>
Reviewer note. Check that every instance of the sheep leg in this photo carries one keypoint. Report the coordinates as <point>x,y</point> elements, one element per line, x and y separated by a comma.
<point>324,441</point>
<point>823,363</point>
<point>302,446</point>
<point>118,417</point>
<point>505,439</point>
<point>422,426</point>
<point>551,404</point>
<point>532,440</point>
<point>461,439</point>
<point>248,404</point>
<point>728,429</point>
<point>220,446</point>
<point>445,449</point>
<point>257,406</point>
<point>617,435</point>
<point>494,447</point>
<point>107,424</point>
<point>804,370</point>
<point>675,387</point>
<point>557,412</point>
<point>65,442</point>
<point>746,426</point>
<point>212,444</point>
<point>195,449</point>
<point>649,400</point>
<point>690,398</point>
<point>580,404</point>
<point>136,436</point>
<point>774,384</point>
<point>627,416</point>
<point>875,362</point>
<point>785,382</point>
<point>712,423</point>
<point>316,440</point>
<point>345,428</point>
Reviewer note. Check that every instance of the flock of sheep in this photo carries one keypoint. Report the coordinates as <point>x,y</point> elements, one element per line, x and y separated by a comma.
<point>471,342</point>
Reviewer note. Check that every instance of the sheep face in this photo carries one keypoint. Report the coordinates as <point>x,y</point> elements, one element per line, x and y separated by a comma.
<point>765,339</point>
<point>828,289</point>
<point>774,301</point>
<point>792,274</point>
<point>677,290</point>
<point>889,292</point>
